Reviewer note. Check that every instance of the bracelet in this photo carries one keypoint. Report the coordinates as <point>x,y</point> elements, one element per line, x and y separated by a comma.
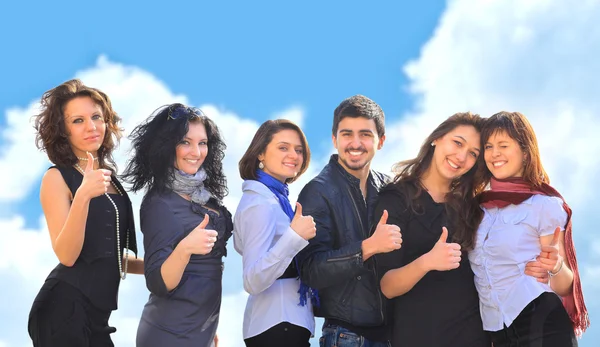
<point>562,262</point>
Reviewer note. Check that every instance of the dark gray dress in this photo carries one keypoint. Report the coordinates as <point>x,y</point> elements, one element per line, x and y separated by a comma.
<point>189,314</point>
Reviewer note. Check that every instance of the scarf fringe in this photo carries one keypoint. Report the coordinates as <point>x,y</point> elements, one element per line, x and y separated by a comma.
<point>574,303</point>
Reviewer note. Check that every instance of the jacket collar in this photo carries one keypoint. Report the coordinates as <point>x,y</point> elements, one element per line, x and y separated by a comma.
<point>333,161</point>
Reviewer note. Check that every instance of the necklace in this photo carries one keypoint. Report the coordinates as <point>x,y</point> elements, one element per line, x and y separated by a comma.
<point>122,270</point>
<point>86,159</point>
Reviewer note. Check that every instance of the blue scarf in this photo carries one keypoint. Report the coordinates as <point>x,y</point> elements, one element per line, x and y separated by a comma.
<point>282,192</point>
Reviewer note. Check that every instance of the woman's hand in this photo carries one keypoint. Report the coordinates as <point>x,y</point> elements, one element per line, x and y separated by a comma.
<point>95,182</point>
<point>443,256</point>
<point>199,240</point>
<point>303,225</point>
<point>549,258</point>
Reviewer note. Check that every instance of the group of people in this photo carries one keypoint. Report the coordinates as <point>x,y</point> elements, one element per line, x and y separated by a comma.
<point>467,246</point>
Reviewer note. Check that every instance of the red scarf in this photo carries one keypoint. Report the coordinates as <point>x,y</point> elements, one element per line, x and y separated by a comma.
<point>515,191</point>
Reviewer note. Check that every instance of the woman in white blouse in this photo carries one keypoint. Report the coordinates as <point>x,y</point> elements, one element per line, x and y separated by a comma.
<point>268,234</point>
<point>524,219</point>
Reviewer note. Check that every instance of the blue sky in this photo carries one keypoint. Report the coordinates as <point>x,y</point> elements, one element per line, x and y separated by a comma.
<point>248,62</point>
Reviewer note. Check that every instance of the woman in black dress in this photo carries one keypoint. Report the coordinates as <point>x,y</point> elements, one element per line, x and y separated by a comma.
<point>89,218</point>
<point>429,280</point>
<point>178,160</point>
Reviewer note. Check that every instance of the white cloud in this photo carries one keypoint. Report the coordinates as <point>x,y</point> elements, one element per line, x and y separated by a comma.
<point>19,152</point>
<point>532,57</point>
<point>294,114</point>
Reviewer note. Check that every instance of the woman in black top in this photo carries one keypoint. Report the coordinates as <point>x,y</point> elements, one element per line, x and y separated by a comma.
<point>89,218</point>
<point>429,280</point>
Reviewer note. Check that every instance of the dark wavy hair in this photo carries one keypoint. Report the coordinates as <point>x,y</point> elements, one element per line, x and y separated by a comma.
<point>154,143</point>
<point>52,136</point>
<point>264,135</point>
<point>516,126</point>
<point>463,210</point>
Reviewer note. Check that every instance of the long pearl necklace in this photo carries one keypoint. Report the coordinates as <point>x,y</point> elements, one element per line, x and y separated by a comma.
<point>122,273</point>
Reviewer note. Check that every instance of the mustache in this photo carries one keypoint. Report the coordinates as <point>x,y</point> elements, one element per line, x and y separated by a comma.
<point>356,149</point>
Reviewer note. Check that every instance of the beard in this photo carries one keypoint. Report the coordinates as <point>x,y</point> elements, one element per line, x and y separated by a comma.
<point>355,166</point>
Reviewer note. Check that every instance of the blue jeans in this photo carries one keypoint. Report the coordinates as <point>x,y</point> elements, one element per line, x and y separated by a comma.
<point>336,336</point>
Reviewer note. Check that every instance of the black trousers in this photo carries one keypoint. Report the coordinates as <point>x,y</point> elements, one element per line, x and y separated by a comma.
<point>62,317</point>
<point>282,334</point>
<point>542,323</point>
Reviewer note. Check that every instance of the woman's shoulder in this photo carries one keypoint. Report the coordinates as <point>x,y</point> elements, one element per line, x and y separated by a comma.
<point>154,199</point>
<point>548,206</point>
<point>402,189</point>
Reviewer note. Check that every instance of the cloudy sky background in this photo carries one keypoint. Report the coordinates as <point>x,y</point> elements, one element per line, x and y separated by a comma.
<point>243,64</point>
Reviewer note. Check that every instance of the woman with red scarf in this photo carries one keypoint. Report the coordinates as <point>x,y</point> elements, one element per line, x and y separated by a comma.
<point>524,218</point>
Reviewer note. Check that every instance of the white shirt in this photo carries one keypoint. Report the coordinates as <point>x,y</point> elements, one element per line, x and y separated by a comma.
<point>263,236</point>
<point>507,239</point>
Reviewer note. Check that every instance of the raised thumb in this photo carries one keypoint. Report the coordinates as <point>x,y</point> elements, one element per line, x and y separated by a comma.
<point>204,222</point>
<point>90,162</point>
<point>556,237</point>
<point>384,217</point>
<point>444,235</point>
<point>298,210</point>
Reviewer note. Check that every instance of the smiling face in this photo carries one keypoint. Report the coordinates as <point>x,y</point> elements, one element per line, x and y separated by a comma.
<point>503,156</point>
<point>192,150</point>
<point>356,142</point>
<point>283,156</point>
<point>455,153</point>
<point>85,126</point>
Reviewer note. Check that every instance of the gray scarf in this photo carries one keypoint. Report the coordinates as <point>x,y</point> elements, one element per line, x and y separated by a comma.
<point>192,185</point>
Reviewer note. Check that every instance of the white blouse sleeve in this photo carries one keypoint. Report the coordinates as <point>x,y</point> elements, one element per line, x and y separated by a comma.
<point>551,215</point>
<point>264,258</point>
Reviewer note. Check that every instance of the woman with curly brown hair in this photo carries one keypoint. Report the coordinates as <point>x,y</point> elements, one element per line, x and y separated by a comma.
<point>89,217</point>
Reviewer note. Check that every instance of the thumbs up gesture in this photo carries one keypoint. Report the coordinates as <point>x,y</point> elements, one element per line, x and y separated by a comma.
<point>200,240</point>
<point>95,182</point>
<point>386,237</point>
<point>444,256</point>
<point>303,225</point>
<point>549,258</point>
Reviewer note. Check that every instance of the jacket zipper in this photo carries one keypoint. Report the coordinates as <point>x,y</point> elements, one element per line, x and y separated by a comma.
<point>348,257</point>
<point>357,211</point>
<point>374,262</point>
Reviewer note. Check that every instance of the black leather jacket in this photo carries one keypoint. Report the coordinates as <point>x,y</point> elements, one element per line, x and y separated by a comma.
<point>332,263</point>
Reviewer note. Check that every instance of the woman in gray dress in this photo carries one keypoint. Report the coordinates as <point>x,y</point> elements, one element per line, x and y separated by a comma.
<point>178,160</point>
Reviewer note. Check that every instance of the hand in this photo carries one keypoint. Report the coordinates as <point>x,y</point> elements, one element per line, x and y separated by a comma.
<point>200,240</point>
<point>95,182</point>
<point>303,225</point>
<point>386,237</point>
<point>549,258</point>
<point>216,341</point>
<point>444,256</point>
<point>535,270</point>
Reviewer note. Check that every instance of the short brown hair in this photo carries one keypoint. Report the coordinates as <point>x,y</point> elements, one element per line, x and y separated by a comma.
<point>264,135</point>
<point>517,126</point>
<point>359,106</point>
<point>52,135</point>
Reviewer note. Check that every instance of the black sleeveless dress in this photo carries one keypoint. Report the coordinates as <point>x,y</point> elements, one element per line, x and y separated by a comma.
<point>74,304</point>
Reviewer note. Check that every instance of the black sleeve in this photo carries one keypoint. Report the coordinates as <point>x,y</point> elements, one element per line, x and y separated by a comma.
<point>321,265</point>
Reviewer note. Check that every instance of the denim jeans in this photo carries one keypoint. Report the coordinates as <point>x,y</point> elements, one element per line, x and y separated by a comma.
<point>336,336</point>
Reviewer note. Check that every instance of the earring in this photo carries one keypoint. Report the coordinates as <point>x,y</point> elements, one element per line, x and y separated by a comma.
<point>261,165</point>
<point>432,143</point>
